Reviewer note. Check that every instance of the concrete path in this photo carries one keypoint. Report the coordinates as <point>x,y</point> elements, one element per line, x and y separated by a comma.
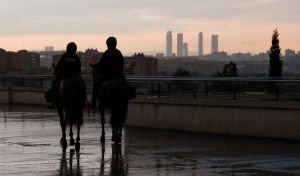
<point>29,145</point>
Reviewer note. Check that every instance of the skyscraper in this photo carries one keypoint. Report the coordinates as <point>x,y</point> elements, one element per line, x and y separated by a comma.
<point>179,44</point>
<point>185,49</point>
<point>214,43</point>
<point>200,44</point>
<point>169,44</point>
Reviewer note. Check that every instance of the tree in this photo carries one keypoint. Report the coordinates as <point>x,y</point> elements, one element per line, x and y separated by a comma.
<point>182,72</point>
<point>275,55</point>
<point>229,70</point>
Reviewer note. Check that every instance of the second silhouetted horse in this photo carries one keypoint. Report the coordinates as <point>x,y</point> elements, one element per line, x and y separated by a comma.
<point>112,95</point>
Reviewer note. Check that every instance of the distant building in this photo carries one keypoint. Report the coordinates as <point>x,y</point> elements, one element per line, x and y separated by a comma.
<point>240,56</point>
<point>141,65</point>
<point>46,61</point>
<point>220,56</point>
<point>93,55</point>
<point>169,41</point>
<point>4,61</point>
<point>185,49</point>
<point>214,44</point>
<point>179,44</point>
<point>159,55</point>
<point>49,48</point>
<point>90,56</point>
<point>289,52</point>
<point>24,59</point>
<point>200,44</point>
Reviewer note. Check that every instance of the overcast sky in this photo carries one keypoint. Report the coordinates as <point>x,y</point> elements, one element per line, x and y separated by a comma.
<point>141,26</point>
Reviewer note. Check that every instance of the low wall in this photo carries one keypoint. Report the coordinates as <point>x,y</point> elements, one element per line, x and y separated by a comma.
<point>275,119</point>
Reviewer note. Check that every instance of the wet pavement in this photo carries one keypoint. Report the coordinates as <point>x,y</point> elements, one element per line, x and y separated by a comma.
<point>29,145</point>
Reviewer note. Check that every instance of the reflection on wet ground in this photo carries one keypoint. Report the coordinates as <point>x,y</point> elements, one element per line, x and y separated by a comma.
<point>29,145</point>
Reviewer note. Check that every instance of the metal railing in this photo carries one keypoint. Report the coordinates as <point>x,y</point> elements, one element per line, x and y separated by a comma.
<point>262,88</point>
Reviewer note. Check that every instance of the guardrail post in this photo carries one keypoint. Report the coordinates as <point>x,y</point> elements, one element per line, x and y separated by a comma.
<point>234,90</point>
<point>168,89</point>
<point>23,81</point>
<point>206,90</point>
<point>158,89</point>
<point>4,81</point>
<point>42,82</point>
<point>277,91</point>
<point>195,89</point>
<point>10,100</point>
<point>151,89</point>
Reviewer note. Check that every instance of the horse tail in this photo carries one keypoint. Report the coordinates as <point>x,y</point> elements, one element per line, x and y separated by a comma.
<point>76,110</point>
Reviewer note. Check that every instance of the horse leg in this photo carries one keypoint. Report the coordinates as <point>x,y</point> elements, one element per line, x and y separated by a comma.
<point>114,133</point>
<point>114,124</point>
<point>77,145</point>
<point>119,129</point>
<point>122,118</point>
<point>72,141</point>
<point>113,127</point>
<point>102,139</point>
<point>63,125</point>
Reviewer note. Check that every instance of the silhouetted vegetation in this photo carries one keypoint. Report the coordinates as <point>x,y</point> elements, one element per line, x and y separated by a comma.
<point>229,70</point>
<point>275,55</point>
<point>182,72</point>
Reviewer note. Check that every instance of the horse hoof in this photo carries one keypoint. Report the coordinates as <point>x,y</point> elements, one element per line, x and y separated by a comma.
<point>63,142</point>
<point>72,142</point>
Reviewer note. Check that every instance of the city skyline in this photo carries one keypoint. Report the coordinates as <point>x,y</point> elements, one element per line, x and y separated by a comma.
<point>244,26</point>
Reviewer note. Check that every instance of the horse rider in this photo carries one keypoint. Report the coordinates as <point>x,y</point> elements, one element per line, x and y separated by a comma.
<point>68,66</point>
<point>109,68</point>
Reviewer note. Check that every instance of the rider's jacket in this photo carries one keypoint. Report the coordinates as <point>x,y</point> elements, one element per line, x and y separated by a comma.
<point>68,65</point>
<point>111,65</point>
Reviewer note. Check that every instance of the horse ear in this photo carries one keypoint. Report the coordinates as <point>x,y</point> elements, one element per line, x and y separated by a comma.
<point>54,66</point>
<point>92,65</point>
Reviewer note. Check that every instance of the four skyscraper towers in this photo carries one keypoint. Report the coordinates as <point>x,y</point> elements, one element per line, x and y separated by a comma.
<point>182,48</point>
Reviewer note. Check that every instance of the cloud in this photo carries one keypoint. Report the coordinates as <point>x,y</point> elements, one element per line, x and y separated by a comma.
<point>106,16</point>
<point>146,19</point>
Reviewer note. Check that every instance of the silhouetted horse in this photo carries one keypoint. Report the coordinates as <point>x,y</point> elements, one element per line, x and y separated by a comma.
<point>112,95</point>
<point>72,99</point>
